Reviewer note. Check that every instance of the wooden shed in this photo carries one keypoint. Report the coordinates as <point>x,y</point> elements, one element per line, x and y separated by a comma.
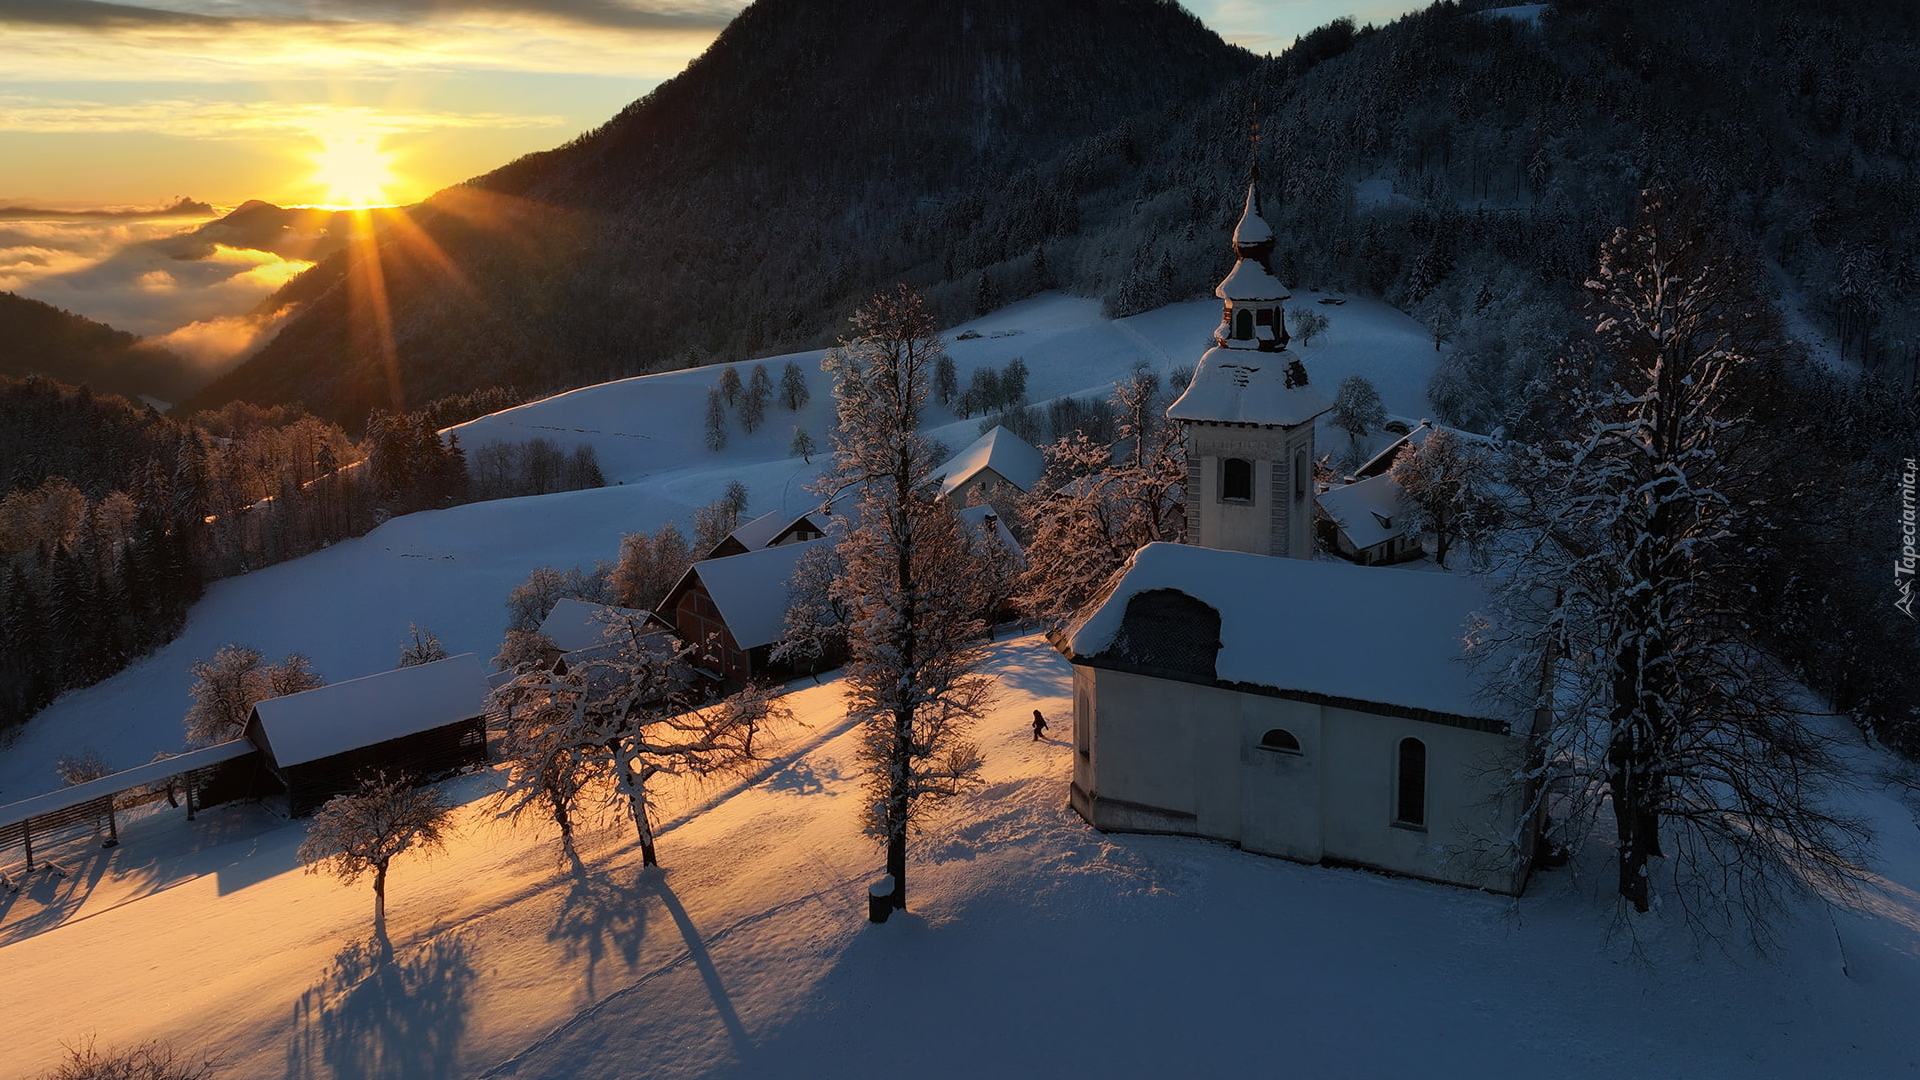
<point>425,721</point>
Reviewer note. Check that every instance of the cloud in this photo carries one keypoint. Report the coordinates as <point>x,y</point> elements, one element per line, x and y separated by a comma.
<point>201,119</point>
<point>221,343</point>
<point>130,276</point>
<point>94,15</point>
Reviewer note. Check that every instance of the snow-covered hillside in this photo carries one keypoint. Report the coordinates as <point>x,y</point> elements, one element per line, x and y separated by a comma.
<point>347,608</point>
<point>1035,946</point>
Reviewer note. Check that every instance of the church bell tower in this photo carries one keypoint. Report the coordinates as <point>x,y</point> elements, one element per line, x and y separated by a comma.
<point>1248,413</point>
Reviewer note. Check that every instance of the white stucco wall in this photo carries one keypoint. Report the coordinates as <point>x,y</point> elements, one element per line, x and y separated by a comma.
<point>1274,521</point>
<point>1171,756</point>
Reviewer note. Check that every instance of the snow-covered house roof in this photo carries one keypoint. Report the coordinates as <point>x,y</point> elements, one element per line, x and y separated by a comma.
<point>1007,455</point>
<point>1368,511</point>
<point>1355,634</point>
<point>750,590</point>
<point>577,624</point>
<point>762,530</point>
<point>975,518</point>
<point>1241,387</point>
<point>1383,461</point>
<point>125,780</point>
<point>360,712</point>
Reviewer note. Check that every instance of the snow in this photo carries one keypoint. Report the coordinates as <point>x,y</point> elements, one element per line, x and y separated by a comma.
<point>138,776</point>
<point>1244,387</point>
<point>750,589</point>
<point>1252,229</point>
<point>1520,13</point>
<point>761,531</point>
<point>1394,637</point>
<point>360,712</point>
<point>575,624</point>
<point>1249,281</point>
<point>1012,458</point>
<point>1364,509</point>
<point>1034,946</point>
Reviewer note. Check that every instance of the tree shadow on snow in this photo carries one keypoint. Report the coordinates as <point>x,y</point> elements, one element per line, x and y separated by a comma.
<point>703,963</point>
<point>599,916</point>
<point>375,1014</point>
<point>1030,665</point>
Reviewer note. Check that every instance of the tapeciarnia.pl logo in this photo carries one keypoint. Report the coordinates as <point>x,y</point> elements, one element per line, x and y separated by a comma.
<point>1903,567</point>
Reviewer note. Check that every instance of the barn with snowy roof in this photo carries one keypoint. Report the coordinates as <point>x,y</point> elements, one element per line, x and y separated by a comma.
<point>997,457</point>
<point>424,721</point>
<point>1236,688</point>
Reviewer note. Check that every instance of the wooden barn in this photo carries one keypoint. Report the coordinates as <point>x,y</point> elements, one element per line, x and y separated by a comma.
<point>425,721</point>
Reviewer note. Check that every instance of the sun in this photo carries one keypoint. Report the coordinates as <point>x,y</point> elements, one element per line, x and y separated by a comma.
<point>353,170</point>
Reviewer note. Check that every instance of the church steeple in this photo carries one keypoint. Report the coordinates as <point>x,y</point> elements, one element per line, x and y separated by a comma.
<point>1253,317</point>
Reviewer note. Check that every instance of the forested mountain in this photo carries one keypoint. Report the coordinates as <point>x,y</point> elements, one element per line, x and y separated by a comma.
<point>746,205</point>
<point>1465,164</point>
<point>40,339</point>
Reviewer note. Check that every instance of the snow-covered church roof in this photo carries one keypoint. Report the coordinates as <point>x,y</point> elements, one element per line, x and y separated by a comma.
<point>1253,229</point>
<point>360,712</point>
<point>1363,634</point>
<point>1248,280</point>
<point>1238,386</point>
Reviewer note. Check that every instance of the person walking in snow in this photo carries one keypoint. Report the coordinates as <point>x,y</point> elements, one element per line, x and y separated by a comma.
<point>1039,725</point>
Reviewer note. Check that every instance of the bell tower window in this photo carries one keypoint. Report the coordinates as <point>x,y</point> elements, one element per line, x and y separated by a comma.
<point>1236,480</point>
<point>1243,325</point>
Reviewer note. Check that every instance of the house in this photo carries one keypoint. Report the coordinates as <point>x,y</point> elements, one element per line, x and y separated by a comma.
<point>999,456</point>
<point>771,529</point>
<point>1369,524</point>
<point>1237,688</point>
<point>424,721</point>
<point>1317,711</point>
<point>738,603</point>
<point>576,624</point>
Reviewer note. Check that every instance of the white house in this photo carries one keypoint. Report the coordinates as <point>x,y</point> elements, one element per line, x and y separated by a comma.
<point>999,456</point>
<point>1236,688</point>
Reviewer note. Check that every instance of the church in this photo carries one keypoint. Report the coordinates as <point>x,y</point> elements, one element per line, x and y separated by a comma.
<point>1235,688</point>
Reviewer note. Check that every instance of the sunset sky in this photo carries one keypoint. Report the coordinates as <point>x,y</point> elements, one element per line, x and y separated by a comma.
<point>360,101</point>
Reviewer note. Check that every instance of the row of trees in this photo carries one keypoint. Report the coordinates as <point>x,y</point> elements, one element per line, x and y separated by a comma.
<point>750,401</point>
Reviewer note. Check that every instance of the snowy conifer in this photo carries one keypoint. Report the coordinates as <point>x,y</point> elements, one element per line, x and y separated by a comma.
<point>753,402</point>
<point>913,678</point>
<point>716,423</point>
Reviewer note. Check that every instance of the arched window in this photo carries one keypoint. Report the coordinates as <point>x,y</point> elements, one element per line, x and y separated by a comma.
<point>1243,325</point>
<point>1236,480</point>
<point>1410,797</point>
<point>1302,474</point>
<point>1281,740</point>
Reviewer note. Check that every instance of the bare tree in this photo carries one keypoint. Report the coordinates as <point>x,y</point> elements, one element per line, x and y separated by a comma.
<point>716,422</point>
<point>815,630</point>
<point>1446,490</point>
<point>226,688</point>
<point>421,647</point>
<point>1357,409</point>
<point>1627,620</point>
<point>913,677</point>
<point>753,402</point>
<point>793,387</point>
<point>363,831</point>
<point>803,445</point>
<point>713,523</point>
<point>1100,502</point>
<point>624,717</point>
<point>152,1060</point>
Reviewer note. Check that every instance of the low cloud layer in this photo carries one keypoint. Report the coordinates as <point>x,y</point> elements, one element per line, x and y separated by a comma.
<point>128,274</point>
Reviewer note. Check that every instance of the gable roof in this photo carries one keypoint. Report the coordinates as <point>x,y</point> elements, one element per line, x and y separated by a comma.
<point>360,712</point>
<point>1012,457</point>
<point>975,518</point>
<point>1379,463</point>
<point>1395,638</point>
<point>575,624</point>
<point>749,590</point>
<point>1368,511</point>
<point>1240,386</point>
<point>762,530</point>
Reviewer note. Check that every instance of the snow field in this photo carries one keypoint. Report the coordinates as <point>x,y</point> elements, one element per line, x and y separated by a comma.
<point>1034,945</point>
